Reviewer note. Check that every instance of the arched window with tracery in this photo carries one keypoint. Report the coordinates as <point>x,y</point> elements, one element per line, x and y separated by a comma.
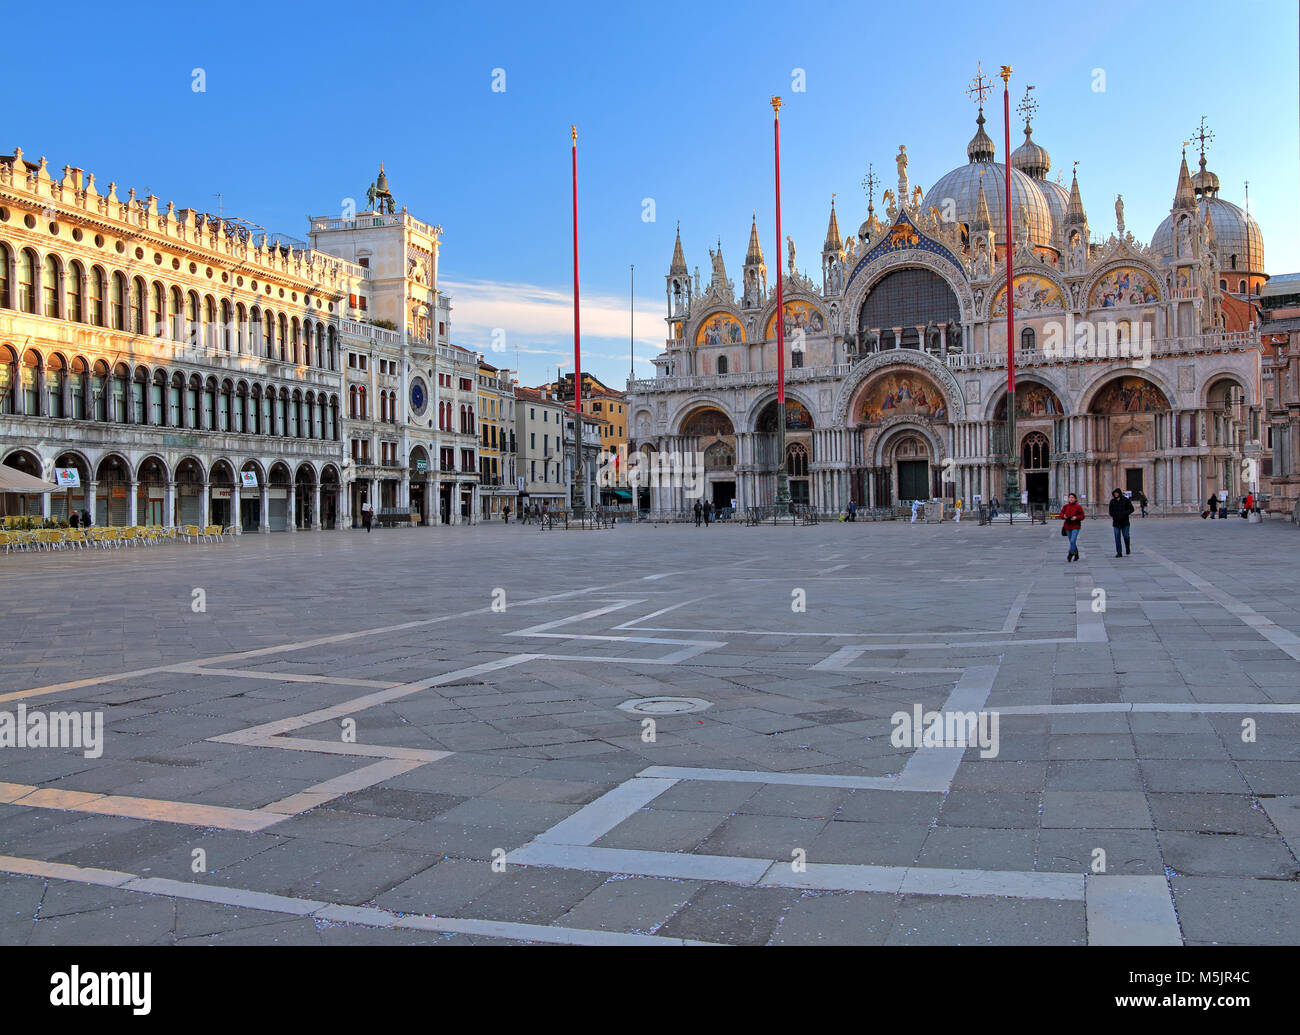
<point>796,460</point>
<point>1035,452</point>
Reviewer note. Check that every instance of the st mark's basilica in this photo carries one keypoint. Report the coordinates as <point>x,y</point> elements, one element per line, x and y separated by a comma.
<point>1138,365</point>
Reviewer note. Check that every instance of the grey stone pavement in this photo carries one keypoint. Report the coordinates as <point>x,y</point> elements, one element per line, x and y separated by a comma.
<point>415,737</point>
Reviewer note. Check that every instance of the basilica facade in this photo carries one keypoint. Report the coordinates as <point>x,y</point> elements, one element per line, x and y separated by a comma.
<point>1138,365</point>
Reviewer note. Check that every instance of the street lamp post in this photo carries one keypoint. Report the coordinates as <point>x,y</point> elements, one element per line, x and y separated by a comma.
<point>782,481</point>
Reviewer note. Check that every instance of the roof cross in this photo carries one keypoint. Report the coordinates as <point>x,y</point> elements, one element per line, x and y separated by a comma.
<point>980,85</point>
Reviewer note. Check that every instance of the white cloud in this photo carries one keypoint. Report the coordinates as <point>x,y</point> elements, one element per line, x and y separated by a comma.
<point>535,317</point>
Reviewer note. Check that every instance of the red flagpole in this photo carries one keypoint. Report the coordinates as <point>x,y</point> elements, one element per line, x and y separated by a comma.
<point>780,307</point>
<point>577,340</point>
<point>1006,158</point>
<point>577,337</point>
<point>1013,478</point>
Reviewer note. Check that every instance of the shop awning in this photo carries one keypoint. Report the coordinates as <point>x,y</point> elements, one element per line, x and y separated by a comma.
<point>13,480</point>
<point>622,494</point>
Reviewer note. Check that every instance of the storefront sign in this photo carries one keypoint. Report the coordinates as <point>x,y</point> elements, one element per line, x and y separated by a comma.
<point>222,494</point>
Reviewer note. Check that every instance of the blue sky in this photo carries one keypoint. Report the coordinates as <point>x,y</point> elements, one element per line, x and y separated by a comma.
<point>302,102</point>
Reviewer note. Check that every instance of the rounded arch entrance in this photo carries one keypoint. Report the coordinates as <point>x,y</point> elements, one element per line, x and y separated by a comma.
<point>329,497</point>
<point>222,494</point>
<point>1129,417</point>
<point>151,491</point>
<point>304,496</point>
<point>278,481</point>
<point>23,503</point>
<point>710,433</point>
<point>62,504</point>
<point>421,487</point>
<point>901,414</point>
<point>189,479</point>
<point>112,482</point>
<point>1042,434</point>
<point>251,481</point>
<point>799,452</point>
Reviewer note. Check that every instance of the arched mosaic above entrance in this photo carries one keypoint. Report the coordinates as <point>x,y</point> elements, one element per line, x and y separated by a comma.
<point>902,395</point>
<point>1130,395</point>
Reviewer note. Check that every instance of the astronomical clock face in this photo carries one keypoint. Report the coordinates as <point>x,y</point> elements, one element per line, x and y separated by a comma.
<point>419,396</point>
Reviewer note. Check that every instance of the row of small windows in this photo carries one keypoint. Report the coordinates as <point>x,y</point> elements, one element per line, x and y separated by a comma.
<point>95,297</point>
<point>77,390</point>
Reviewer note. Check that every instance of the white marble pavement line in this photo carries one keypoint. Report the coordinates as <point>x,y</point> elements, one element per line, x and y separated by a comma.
<point>362,916</point>
<point>1188,707</point>
<point>688,648</point>
<point>1284,639</point>
<point>1130,910</point>
<point>284,648</point>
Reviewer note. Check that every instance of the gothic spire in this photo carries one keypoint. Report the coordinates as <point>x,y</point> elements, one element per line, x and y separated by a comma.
<point>832,231</point>
<point>753,257</point>
<point>679,260</point>
<point>1074,213</point>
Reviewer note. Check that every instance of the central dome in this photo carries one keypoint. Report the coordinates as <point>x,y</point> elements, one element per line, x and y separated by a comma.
<point>962,186</point>
<point>959,191</point>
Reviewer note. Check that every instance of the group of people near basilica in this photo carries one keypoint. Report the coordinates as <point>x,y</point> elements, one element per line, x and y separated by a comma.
<point>1120,509</point>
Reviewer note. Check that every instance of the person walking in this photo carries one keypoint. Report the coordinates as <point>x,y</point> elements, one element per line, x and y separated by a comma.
<point>853,511</point>
<point>1120,509</point>
<point>546,513</point>
<point>1141,498</point>
<point>74,519</point>
<point>1072,516</point>
<point>916,505</point>
<point>993,507</point>
<point>367,514</point>
<point>699,513</point>
<point>1211,508</point>
<point>956,517</point>
<point>505,513</point>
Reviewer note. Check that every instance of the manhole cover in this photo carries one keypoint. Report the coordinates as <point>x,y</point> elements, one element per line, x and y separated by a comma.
<point>665,705</point>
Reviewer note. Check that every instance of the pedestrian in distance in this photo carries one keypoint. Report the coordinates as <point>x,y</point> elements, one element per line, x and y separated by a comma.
<point>708,513</point>
<point>74,519</point>
<point>916,505</point>
<point>994,503</point>
<point>1141,498</point>
<point>699,513</point>
<point>956,517</point>
<point>367,514</point>
<point>853,511</point>
<point>546,513</point>
<point>86,520</point>
<point>1211,510</point>
<point>1120,509</point>
<point>1072,516</point>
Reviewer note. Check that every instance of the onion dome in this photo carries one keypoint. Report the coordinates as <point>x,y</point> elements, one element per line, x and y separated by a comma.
<point>1030,158</point>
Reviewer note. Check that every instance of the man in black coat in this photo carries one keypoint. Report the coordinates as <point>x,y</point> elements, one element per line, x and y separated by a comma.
<point>1120,510</point>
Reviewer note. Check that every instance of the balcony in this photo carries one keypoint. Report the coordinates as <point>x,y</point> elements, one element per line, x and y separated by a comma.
<point>1190,345</point>
<point>744,379</point>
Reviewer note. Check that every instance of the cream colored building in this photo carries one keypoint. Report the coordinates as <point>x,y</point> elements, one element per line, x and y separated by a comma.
<point>185,366</point>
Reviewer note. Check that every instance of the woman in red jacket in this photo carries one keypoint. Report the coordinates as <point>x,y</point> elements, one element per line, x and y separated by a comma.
<point>1072,515</point>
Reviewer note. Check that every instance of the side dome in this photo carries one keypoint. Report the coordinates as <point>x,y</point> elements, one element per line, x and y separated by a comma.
<point>1057,198</point>
<point>1236,234</point>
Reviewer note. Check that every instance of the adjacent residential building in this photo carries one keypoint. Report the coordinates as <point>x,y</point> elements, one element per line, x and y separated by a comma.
<point>1279,301</point>
<point>496,448</point>
<point>539,422</point>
